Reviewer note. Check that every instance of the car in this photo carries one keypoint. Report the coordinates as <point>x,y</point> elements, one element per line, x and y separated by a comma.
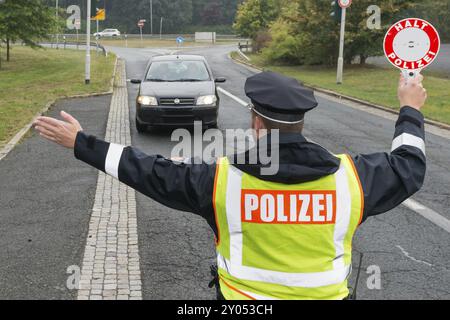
<point>108,33</point>
<point>176,91</point>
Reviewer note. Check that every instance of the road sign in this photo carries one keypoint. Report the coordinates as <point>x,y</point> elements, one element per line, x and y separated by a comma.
<point>411,45</point>
<point>141,23</point>
<point>180,40</point>
<point>345,3</point>
<point>78,24</point>
<point>98,11</point>
<point>100,16</point>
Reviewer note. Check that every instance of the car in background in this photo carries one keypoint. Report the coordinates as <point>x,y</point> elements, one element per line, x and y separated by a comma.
<point>177,90</point>
<point>108,33</point>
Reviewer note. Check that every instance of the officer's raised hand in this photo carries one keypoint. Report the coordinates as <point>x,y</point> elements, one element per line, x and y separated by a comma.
<point>63,133</point>
<point>411,92</point>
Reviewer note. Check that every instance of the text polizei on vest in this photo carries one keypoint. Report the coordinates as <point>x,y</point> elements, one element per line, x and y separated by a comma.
<point>288,207</point>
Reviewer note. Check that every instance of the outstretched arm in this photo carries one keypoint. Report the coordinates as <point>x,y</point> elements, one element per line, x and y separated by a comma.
<point>388,179</point>
<point>186,187</point>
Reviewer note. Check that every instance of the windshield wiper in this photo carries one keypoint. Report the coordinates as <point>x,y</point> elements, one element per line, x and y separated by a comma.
<point>156,80</point>
<point>190,80</point>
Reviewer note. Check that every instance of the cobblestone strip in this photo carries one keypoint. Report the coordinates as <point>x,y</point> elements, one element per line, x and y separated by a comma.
<point>110,268</point>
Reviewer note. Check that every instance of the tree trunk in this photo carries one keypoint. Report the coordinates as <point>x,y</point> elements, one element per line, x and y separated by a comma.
<point>7,49</point>
<point>362,60</point>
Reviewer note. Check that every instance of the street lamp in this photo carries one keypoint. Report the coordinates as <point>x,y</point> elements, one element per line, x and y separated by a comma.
<point>57,28</point>
<point>151,17</point>
<point>88,43</point>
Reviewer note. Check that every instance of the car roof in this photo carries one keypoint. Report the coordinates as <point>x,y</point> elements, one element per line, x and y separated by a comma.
<point>182,57</point>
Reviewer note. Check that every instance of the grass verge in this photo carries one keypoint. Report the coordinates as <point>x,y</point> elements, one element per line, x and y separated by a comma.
<point>369,83</point>
<point>35,77</point>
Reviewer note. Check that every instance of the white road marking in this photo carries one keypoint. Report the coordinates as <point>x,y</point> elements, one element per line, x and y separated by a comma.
<point>428,214</point>
<point>411,204</point>
<point>412,258</point>
<point>232,96</point>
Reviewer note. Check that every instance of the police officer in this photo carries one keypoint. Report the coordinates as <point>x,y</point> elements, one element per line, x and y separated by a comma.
<point>282,236</point>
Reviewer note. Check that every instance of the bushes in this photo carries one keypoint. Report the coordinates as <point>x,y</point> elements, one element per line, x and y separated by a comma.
<point>254,16</point>
<point>284,47</point>
<point>262,40</point>
<point>305,33</point>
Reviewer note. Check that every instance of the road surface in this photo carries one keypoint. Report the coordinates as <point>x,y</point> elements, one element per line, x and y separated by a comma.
<point>176,249</point>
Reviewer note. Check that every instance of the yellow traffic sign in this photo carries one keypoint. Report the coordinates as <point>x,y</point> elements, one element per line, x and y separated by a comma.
<point>101,15</point>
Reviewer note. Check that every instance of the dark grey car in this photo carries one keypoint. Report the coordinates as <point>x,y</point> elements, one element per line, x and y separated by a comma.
<point>176,91</point>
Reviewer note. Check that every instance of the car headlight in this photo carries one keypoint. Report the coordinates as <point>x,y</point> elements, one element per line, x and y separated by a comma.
<point>207,100</point>
<point>147,101</point>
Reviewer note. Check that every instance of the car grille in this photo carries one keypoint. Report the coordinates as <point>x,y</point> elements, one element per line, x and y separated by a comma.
<point>182,101</point>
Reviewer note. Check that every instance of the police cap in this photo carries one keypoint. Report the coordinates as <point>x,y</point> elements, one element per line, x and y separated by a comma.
<point>279,98</point>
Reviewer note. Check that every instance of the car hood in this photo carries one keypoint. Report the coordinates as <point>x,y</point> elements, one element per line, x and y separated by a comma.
<point>178,89</point>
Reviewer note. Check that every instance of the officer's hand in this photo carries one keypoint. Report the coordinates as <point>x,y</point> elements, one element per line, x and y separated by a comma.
<point>63,133</point>
<point>412,93</point>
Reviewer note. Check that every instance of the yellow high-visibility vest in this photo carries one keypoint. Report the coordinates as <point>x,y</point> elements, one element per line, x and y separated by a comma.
<point>282,241</point>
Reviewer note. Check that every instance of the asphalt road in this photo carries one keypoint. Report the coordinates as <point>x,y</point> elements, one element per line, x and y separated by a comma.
<point>46,197</point>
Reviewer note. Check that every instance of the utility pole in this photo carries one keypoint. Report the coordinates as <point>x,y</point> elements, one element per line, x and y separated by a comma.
<point>340,71</point>
<point>151,17</point>
<point>57,27</point>
<point>160,28</point>
<point>344,4</point>
<point>88,43</point>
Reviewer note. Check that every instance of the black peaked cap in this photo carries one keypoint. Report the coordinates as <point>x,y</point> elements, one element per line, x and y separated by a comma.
<point>279,98</point>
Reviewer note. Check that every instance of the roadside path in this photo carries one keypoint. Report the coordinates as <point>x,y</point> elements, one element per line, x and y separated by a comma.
<point>111,259</point>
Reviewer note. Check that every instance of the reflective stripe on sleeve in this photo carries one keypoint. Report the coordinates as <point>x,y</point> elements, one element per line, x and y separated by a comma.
<point>113,160</point>
<point>407,139</point>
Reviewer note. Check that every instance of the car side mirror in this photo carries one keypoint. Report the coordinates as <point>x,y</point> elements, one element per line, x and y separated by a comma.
<point>220,80</point>
<point>136,81</point>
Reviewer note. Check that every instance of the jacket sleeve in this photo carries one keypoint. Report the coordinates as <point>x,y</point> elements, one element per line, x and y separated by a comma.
<point>181,186</point>
<point>388,179</point>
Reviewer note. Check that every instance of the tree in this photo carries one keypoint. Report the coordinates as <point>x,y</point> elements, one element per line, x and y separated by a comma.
<point>25,20</point>
<point>179,15</point>
<point>438,13</point>
<point>254,16</point>
<point>363,42</point>
<point>304,33</point>
<point>212,13</point>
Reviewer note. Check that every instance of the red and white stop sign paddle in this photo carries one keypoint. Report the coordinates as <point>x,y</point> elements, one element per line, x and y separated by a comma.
<point>411,45</point>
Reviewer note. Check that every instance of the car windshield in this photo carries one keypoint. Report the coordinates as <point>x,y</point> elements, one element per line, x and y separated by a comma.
<point>174,71</point>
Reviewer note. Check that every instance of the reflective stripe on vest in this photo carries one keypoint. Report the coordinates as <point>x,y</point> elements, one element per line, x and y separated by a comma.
<point>258,250</point>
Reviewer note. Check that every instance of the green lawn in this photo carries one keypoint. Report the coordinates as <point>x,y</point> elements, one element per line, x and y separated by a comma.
<point>373,84</point>
<point>35,77</point>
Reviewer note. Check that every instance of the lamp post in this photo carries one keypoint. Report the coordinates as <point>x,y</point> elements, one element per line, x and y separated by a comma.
<point>340,72</point>
<point>344,4</point>
<point>57,27</point>
<point>88,43</point>
<point>151,17</point>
